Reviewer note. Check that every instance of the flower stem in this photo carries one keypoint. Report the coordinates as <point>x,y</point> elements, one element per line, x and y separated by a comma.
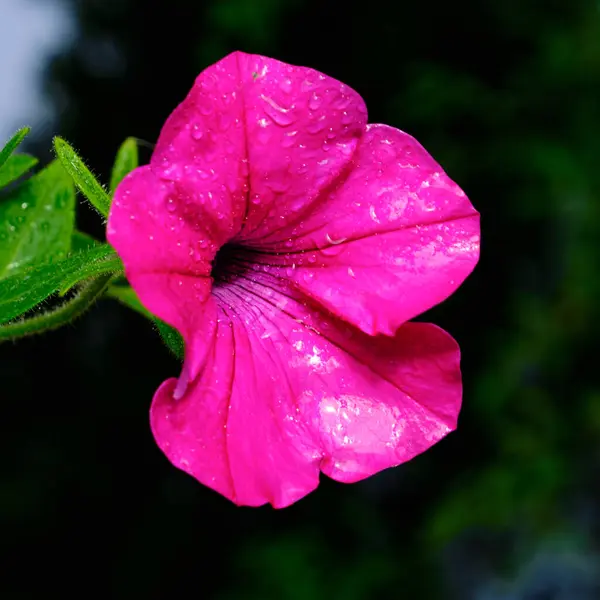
<point>170,336</point>
<point>88,293</point>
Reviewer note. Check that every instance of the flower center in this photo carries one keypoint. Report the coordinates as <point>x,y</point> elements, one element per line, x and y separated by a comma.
<point>226,264</point>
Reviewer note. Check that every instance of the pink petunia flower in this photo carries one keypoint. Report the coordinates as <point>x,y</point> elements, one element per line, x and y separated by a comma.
<point>290,242</point>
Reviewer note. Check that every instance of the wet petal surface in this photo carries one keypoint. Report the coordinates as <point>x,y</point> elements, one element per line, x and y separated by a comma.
<point>276,401</point>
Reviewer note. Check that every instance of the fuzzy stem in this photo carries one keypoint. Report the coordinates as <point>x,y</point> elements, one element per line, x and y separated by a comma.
<point>88,293</point>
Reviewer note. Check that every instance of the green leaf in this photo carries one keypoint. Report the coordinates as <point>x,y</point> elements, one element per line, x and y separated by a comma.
<point>85,181</point>
<point>82,241</point>
<point>36,220</point>
<point>171,337</point>
<point>22,291</point>
<point>125,162</point>
<point>12,144</point>
<point>66,313</point>
<point>16,166</point>
<point>95,268</point>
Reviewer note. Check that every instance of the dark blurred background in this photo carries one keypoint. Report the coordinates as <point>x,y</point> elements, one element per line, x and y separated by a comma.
<point>506,96</point>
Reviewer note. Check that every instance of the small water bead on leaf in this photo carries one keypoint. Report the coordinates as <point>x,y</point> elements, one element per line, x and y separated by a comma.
<point>61,201</point>
<point>24,210</point>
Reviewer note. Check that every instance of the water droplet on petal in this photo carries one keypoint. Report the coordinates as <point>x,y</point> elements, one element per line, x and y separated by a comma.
<point>289,139</point>
<point>197,132</point>
<point>316,125</point>
<point>346,118</point>
<point>314,101</point>
<point>225,120</point>
<point>286,85</point>
<point>278,184</point>
<point>333,241</point>
<point>280,115</point>
<point>373,214</point>
<point>204,105</point>
<point>341,102</point>
<point>331,250</point>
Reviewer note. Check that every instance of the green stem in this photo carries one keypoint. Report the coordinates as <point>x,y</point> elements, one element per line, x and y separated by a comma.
<point>170,336</point>
<point>127,296</point>
<point>65,313</point>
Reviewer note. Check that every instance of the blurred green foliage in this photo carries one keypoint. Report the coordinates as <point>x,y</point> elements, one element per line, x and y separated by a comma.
<point>506,98</point>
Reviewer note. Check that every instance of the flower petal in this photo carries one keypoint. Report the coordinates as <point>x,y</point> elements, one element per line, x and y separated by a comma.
<point>250,126</point>
<point>202,146</point>
<point>392,239</point>
<point>276,401</point>
<point>302,128</point>
<point>291,129</point>
<point>163,252</point>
